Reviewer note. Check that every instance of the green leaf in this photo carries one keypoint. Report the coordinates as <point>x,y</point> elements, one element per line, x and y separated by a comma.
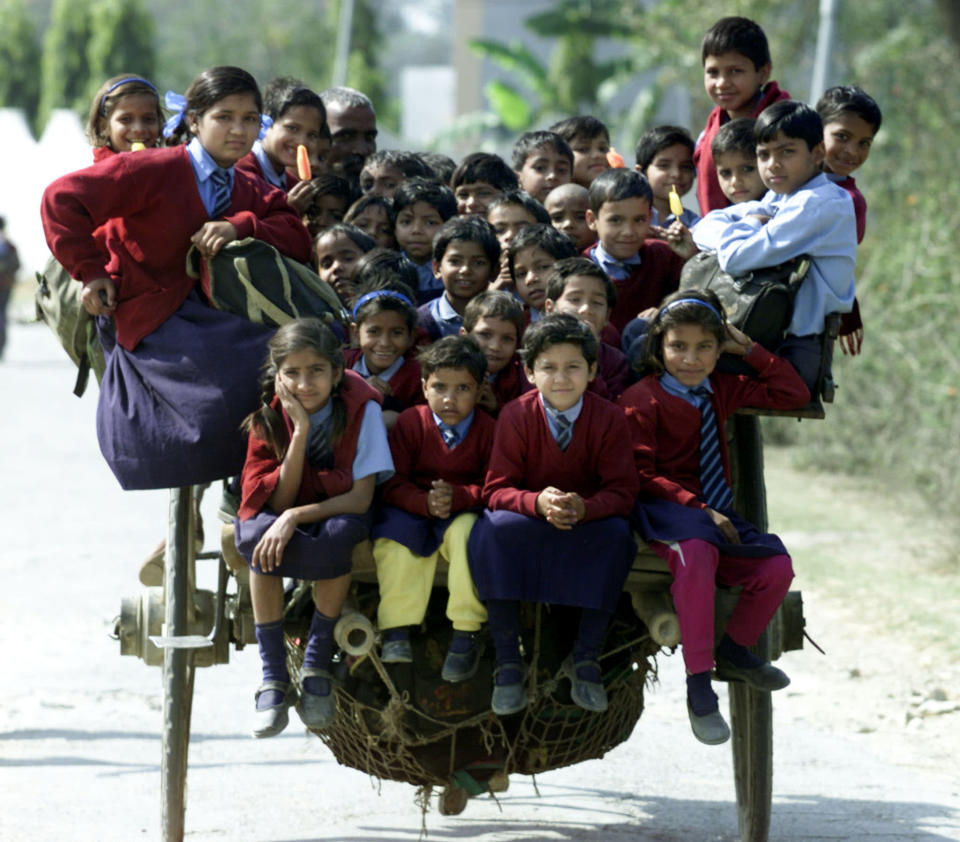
<point>514,58</point>
<point>509,105</point>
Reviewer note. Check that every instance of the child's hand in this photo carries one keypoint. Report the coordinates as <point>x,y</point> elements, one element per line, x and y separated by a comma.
<point>268,553</point>
<point>726,527</point>
<point>764,219</point>
<point>680,239</point>
<point>657,232</point>
<point>486,399</point>
<point>560,508</point>
<point>737,342</point>
<point>852,343</point>
<point>301,195</point>
<point>380,385</point>
<point>292,405</point>
<point>440,499</point>
<point>647,314</point>
<point>213,236</point>
<point>99,297</point>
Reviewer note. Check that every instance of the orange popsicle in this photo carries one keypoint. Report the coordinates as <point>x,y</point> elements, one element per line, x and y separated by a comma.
<point>303,163</point>
<point>615,159</point>
<point>676,206</point>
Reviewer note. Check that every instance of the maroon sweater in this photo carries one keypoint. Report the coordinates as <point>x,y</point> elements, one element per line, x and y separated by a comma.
<point>420,456</point>
<point>250,164</point>
<point>148,206</point>
<point>509,383</point>
<point>406,389</point>
<point>665,428</point>
<point>853,321</point>
<point>613,372</point>
<point>526,459</point>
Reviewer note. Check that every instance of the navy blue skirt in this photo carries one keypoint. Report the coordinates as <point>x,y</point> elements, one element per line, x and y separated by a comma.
<point>657,519</point>
<point>170,410</point>
<point>421,535</point>
<point>515,557</point>
<point>321,550</point>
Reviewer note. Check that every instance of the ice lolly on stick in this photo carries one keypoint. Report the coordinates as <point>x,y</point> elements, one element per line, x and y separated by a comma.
<point>303,163</point>
<point>137,146</point>
<point>676,206</point>
<point>615,159</point>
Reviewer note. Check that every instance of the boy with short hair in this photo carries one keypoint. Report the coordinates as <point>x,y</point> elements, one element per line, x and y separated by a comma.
<point>542,161</point>
<point>736,70</point>
<point>386,169</point>
<point>578,287</point>
<point>466,255</point>
<point>567,207</point>
<point>665,159</point>
<point>532,254</point>
<point>735,156</point>
<point>478,180</point>
<point>508,214</point>
<point>804,213</point>
<point>643,271</point>
<point>329,200</point>
<point>440,454</point>
<point>420,207</point>
<point>558,492</point>
<point>589,140</point>
<point>495,320</point>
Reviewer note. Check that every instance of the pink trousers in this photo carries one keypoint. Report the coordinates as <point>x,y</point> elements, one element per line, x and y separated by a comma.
<point>697,567</point>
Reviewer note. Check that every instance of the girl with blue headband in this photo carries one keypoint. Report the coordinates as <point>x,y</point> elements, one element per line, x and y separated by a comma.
<point>685,510</point>
<point>125,111</point>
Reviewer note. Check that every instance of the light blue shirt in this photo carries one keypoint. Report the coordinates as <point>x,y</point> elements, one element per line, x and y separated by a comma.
<point>571,414</point>
<point>618,270</point>
<point>448,320</point>
<point>203,167</point>
<point>373,451</point>
<point>674,387</point>
<point>688,218</point>
<point>817,219</point>
<point>462,427</point>
<point>426,280</point>
<point>269,173</point>
<point>360,366</point>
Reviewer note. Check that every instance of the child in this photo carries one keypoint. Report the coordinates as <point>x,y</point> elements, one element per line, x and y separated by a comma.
<point>479,179</point>
<point>440,452</point>
<point>643,271</point>
<point>736,69</point>
<point>735,156</point>
<point>465,256</point>
<point>421,206</point>
<point>567,207</point>
<point>676,416</point>
<point>557,492</point>
<point>384,323</point>
<point>374,216</point>
<point>441,166</point>
<point>532,253</point>
<point>508,213</point>
<point>495,320</point>
<point>385,170</point>
<point>339,248</point>
<point>169,409</point>
<point>851,119</point>
<point>542,161</point>
<point>803,214</point>
<point>317,449</point>
<point>126,110</point>
<point>298,117</point>
<point>385,269</point>
<point>665,158</point>
<point>329,199</point>
<point>578,287</point>
<point>589,141</point>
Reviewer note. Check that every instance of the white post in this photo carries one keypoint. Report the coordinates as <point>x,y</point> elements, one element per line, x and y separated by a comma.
<point>344,28</point>
<point>825,40</point>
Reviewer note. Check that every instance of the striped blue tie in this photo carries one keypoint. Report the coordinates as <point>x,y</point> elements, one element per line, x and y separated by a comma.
<point>221,198</point>
<point>714,489</point>
<point>318,447</point>
<point>450,436</point>
<point>564,428</point>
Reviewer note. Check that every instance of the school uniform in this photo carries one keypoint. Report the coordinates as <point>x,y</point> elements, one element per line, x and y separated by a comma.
<point>517,555</point>
<point>613,373</point>
<point>641,281</point>
<point>172,398</point>
<point>404,377</point>
<point>408,540</point>
<point>257,163</point>
<point>321,550</point>
<point>709,195</point>
<point>853,321</point>
<point>429,286</point>
<point>664,420</point>
<point>437,318</point>
<point>509,383</point>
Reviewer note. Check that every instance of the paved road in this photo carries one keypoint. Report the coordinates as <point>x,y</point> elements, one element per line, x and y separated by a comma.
<point>79,725</point>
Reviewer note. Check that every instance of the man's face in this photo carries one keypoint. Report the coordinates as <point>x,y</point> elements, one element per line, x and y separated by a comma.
<point>354,137</point>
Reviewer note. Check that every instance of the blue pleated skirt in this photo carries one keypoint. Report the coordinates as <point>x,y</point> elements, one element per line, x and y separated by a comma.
<point>421,535</point>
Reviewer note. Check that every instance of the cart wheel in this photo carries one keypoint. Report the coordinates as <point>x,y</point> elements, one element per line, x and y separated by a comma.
<point>499,782</point>
<point>453,800</point>
<point>178,667</point>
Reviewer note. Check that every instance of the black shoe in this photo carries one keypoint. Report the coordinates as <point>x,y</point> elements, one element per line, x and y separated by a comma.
<point>461,666</point>
<point>765,676</point>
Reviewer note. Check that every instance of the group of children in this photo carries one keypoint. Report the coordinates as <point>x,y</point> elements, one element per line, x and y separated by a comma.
<point>486,402</point>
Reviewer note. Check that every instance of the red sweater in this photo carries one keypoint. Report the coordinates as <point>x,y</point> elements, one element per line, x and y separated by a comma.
<point>613,372</point>
<point>709,194</point>
<point>509,383</point>
<point>250,164</point>
<point>420,456</point>
<point>852,321</point>
<point>526,459</point>
<point>149,207</point>
<point>261,470</point>
<point>405,386</point>
<point>665,428</point>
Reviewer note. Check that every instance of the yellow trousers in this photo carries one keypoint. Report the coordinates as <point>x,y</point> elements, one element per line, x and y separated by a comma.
<point>406,580</point>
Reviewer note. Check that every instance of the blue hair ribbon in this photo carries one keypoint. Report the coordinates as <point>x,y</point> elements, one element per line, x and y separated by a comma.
<point>379,293</point>
<point>178,104</point>
<point>266,121</point>
<point>699,301</point>
<point>126,81</point>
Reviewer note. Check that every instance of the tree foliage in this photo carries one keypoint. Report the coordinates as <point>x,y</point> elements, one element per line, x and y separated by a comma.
<point>64,76</point>
<point>19,59</point>
<point>122,41</point>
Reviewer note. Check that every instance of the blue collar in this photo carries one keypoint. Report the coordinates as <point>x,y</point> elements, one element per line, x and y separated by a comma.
<point>360,366</point>
<point>674,387</point>
<point>618,270</point>
<point>571,414</point>
<point>269,173</point>
<point>203,164</point>
<point>462,427</point>
<point>442,310</point>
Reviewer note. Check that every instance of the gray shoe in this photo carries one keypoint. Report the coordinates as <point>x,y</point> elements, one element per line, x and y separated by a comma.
<point>397,652</point>
<point>711,728</point>
<point>315,710</point>
<point>272,720</point>
<point>590,695</point>
<point>509,698</point>
<point>764,677</point>
<point>460,666</point>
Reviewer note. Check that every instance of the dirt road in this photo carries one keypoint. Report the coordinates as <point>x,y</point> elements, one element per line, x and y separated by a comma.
<point>866,741</point>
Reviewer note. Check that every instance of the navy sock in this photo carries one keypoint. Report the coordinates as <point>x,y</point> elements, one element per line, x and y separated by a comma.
<point>700,695</point>
<point>589,642</point>
<point>273,660</point>
<point>396,633</point>
<point>504,617</point>
<point>462,642</point>
<point>318,651</point>
<point>738,655</point>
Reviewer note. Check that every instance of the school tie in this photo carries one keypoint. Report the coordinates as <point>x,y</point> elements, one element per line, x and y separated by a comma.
<point>450,436</point>
<point>318,447</point>
<point>713,484</point>
<point>564,428</point>
<point>221,198</point>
